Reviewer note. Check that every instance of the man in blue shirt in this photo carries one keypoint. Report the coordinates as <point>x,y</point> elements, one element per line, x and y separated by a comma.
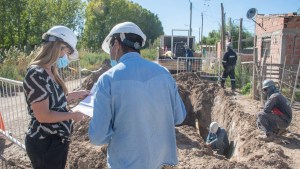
<point>137,105</point>
<point>217,138</point>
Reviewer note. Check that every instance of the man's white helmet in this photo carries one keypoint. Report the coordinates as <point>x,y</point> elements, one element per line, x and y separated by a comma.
<point>229,45</point>
<point>66,35</point>
<point>125,27</point>
<point>213,128</point>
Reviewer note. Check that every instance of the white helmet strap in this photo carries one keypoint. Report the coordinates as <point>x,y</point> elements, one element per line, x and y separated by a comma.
<point>50,38</point>
<point>127,42</point>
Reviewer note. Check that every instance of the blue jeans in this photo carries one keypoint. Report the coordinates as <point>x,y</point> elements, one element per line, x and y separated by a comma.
<point>48,153</point>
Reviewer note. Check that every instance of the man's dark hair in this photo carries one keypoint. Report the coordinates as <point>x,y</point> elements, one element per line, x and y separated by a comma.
<point>133,38</point>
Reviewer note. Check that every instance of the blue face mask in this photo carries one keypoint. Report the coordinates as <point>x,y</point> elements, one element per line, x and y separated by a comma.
<point>63,61</point>
<point>113,63</point>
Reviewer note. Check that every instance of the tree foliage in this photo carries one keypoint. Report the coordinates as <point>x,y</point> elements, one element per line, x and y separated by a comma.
<point>102,15</point>
<point>214,36</point>
<point>24,21</point>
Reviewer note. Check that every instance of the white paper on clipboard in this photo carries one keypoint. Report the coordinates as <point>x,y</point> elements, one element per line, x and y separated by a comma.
<point>86,106</point>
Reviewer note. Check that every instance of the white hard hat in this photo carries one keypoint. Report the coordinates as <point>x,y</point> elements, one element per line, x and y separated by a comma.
<point>125,27</point>
<point>213,128</point>
<point>229,45</point>
<point>66,35</point>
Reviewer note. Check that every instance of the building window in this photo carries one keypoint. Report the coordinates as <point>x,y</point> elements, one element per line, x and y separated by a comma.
<point>266,46</point>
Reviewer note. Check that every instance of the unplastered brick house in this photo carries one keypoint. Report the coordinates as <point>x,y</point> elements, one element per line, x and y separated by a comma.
<point>278,38</point>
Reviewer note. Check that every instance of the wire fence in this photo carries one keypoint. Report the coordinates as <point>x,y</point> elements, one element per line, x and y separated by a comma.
<point>286,78</point>
<point>14,117</point>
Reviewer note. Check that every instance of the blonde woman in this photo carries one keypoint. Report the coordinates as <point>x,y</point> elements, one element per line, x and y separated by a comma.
<point>48,135</point>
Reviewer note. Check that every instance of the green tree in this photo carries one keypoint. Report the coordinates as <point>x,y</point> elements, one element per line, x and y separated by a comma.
<point>11,12</point>
<point>43,14</point>
<point>235,36</point>
<point>214,36</point>
<point>24,21</point>
<point>102,15</point>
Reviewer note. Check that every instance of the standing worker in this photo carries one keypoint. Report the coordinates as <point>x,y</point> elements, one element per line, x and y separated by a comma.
<point>217,138</point>
<point>229,62</point>
<point>137,105</point>
<point>48,135</point>
<point>277,114</point>
<point>188,55</point>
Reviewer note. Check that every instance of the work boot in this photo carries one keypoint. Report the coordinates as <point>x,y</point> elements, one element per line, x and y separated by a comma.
<point>223,85</point>
<point>266,137</point>
<point>281,132</point>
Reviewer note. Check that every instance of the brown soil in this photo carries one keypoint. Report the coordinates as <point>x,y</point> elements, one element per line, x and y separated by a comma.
<point>205,101</point>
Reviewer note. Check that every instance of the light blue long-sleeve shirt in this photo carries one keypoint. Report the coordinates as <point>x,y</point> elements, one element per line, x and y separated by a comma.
<point>136,107</point>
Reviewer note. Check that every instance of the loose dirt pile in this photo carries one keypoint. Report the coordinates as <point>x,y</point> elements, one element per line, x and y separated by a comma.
<point>205,102</point>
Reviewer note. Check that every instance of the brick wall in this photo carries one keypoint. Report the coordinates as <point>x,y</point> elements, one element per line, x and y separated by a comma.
<point>269,23</point>
<point>284,33</point>
<point>291,46</point>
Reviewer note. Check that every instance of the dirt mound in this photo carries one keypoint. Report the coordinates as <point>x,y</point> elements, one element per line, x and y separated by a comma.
<point>205,102</point>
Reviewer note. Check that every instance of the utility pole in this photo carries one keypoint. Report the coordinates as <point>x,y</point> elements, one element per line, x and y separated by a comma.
<point>191,6</point>
<point>240,35</point>
<point>229,31</point>
<point>201,30</point>
<point>200,36</point>
<point>223,29</point>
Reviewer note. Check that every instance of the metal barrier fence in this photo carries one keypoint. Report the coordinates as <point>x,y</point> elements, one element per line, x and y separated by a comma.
<point>14,117</point>
<point>208,66</point>
<point>13,110</point>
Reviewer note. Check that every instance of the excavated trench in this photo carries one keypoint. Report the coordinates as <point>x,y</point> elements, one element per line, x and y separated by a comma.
<point>205,102</point>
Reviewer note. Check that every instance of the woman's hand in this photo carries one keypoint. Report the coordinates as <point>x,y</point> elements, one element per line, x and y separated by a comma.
<point>77,116</point>
<point>81,94</point>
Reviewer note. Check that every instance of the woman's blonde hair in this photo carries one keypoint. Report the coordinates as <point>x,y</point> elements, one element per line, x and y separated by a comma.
<point>49,54</point>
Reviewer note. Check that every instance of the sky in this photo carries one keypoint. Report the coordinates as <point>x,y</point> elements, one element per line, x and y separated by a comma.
<point>175,14</point>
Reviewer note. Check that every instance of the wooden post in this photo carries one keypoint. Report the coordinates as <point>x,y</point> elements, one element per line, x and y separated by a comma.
<point>223,29</point>
<point>254,80</point>
<point>262,76</point>
<point>240,36</point>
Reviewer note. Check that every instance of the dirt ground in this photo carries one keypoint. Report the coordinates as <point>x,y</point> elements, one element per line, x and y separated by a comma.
<point>205,102</point>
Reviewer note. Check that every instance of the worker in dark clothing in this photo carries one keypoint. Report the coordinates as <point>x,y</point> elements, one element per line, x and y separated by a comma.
<point>277,113</point>
<point>217,138</point>
<point>229,62</point>
<point>188,55</point>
